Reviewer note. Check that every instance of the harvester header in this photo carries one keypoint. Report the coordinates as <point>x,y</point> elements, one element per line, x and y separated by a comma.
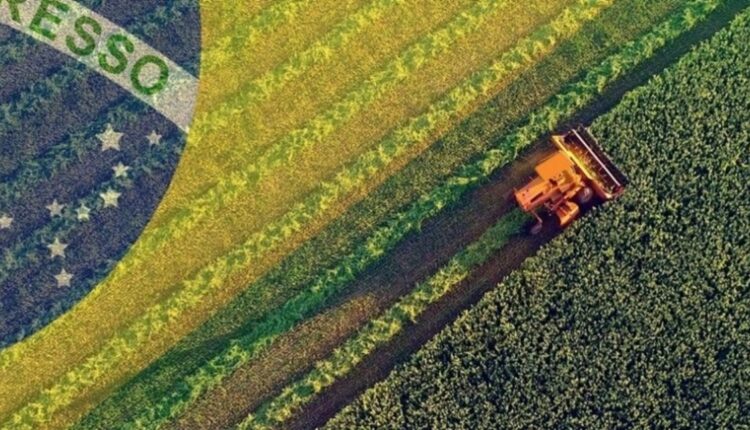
<point>570,177</point>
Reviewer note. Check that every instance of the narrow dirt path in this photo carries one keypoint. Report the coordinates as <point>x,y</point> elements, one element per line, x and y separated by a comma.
<point>420,255</point>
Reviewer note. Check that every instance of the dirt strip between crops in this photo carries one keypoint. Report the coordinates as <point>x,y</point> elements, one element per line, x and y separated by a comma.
<point>421,255</point>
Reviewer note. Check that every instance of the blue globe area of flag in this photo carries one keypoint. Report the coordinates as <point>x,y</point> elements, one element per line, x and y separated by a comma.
<point>83,162</point>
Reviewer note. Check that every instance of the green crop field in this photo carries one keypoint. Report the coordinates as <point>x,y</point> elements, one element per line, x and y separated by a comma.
<point>635,316</point>
<point>346,179</point>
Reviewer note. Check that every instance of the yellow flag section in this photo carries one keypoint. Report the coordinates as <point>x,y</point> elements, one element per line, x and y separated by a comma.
<point>279,148</point>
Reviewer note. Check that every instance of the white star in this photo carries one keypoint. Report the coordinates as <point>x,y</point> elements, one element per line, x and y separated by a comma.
<point>63,278</point>
<point>5,222</point>
<point>84,213</point>
<point>154,138</point>
<point>55,208</point>
<point>57,248</point>
<point>110,198</point>
<point>121,170</point>
<point>110,139</point>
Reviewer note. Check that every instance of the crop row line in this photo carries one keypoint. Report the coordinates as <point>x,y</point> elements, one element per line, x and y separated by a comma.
<point>279,409</point>
<point>318,53</point>
<point>223,50</point>
<point>369,165</point>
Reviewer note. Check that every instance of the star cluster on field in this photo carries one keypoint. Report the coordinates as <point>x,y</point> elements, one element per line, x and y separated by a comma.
<point>109,199</point>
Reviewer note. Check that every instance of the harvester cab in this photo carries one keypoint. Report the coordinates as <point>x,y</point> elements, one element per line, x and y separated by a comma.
<point>572,176</point>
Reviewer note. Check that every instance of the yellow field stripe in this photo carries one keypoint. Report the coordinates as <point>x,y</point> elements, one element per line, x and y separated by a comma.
<point>220,18</point>
<point>272,37</point>
<point>321,51</point>
<point>196,295</point>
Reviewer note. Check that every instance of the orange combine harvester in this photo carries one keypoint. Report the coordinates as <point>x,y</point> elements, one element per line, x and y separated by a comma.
<point>576,172</point>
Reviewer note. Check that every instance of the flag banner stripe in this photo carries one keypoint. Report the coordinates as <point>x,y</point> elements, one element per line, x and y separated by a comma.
<point>102,45</point>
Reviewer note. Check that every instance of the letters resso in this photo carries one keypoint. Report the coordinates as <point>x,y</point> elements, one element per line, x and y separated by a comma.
<point>149,74</point>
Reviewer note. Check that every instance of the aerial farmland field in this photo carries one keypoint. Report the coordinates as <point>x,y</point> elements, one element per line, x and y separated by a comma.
<point>334,238</point>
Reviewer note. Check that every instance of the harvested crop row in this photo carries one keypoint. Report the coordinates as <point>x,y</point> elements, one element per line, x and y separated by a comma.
<point>646,325</point>
<point>385,327</point>
<point>197,290</point>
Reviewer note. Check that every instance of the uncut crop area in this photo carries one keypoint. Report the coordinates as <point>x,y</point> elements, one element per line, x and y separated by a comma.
<point>326,134</point>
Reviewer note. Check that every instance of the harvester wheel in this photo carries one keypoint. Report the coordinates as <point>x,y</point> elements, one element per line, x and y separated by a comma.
<point>584,195</point>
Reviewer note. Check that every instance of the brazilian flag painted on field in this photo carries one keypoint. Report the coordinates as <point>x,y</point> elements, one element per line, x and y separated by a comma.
<point>96,97</point>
